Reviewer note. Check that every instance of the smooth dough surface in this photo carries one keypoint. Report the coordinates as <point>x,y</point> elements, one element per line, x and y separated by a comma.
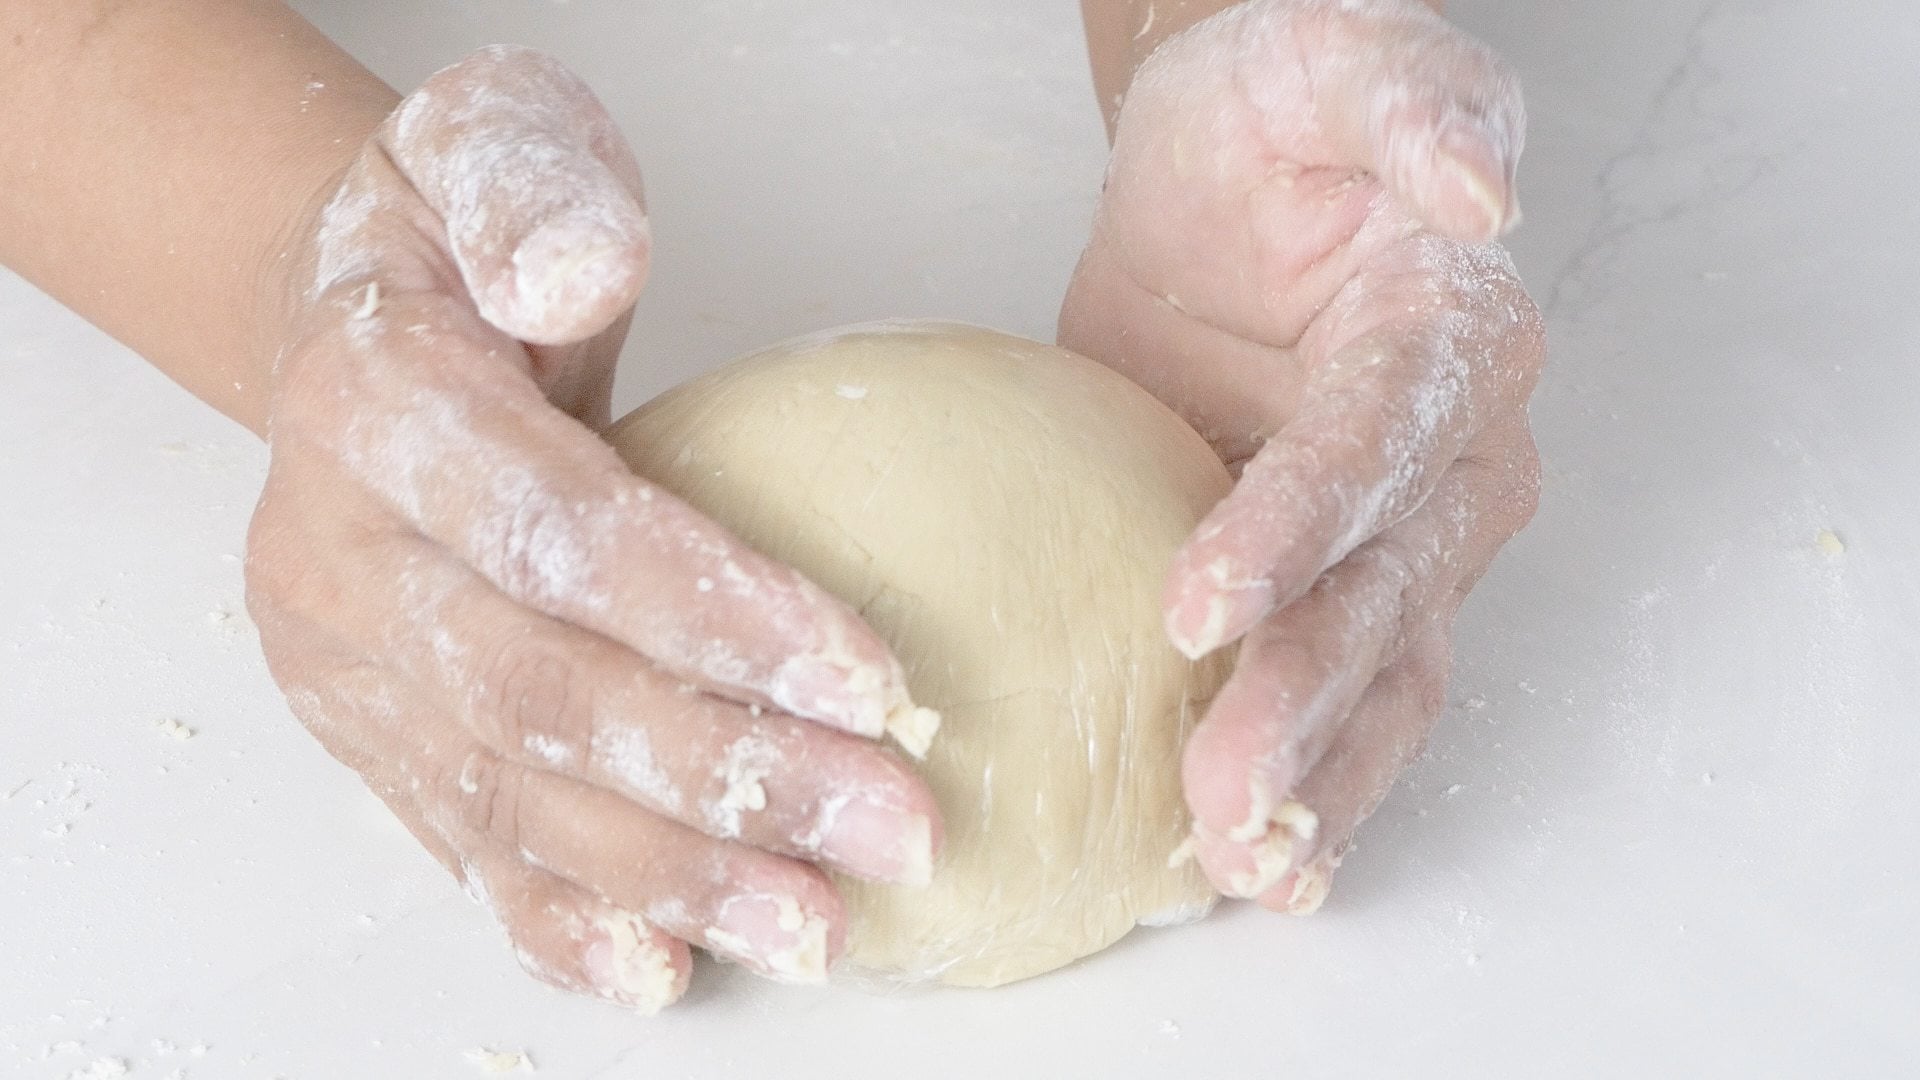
<point>1003,512</point>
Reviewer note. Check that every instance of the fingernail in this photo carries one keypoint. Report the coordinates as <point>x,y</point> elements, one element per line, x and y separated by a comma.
<point>1209,614</point>
<point>849,698</point>
<point>878,842</point>
<point>627,966</point>
<point>1464,154</point>
<point>773,937</point>
<point>567,264</point>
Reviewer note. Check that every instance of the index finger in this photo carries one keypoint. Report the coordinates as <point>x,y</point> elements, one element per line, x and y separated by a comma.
<point>451,431</point>
<point>1407,366</point>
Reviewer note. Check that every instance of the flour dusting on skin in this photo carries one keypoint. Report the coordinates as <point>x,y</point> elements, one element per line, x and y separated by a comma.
<point>550,750</point>
<point>541,545</point>
<point>1434,107</point>
<point>341,252</point>
<point>524,535</point>
<point>539,227</point>
<point>625,751</point>
<point>425,590</point>
<point>1413,125</point>
<point>476,886</point>
<point>1427,386</point>
<point>538,545</point>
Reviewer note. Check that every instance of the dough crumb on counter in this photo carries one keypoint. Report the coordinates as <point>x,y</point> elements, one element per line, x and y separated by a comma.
<point>500,1061</point>
<point>105,1068</point>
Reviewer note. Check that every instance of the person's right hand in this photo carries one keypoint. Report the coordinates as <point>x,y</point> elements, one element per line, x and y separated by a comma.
<point>621,727</point>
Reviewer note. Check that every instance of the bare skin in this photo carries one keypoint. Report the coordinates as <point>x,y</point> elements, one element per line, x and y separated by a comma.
<point>1294,251</point>
<point>544,664</point>
<point>541,662</point>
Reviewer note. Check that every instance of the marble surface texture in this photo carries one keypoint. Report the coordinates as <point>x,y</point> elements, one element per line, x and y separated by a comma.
<point>1667,826</point>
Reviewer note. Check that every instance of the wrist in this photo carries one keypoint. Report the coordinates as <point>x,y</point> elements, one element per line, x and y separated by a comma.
<point>277,261</point>
<point>302,158</point>
<point>158,163</point>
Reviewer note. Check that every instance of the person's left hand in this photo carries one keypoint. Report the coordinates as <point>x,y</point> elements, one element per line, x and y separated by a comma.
<point>1293,251</point>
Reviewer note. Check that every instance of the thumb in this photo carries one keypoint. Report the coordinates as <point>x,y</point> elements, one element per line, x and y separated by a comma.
<point>1428,110</point>
<point>539,195</point>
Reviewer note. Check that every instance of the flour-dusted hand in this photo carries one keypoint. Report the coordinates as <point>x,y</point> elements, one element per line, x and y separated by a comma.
<point>1294,250</point>
<point>621,727</point>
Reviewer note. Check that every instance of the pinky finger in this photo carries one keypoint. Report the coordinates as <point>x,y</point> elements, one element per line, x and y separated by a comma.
<point>1381,737</point>
<point>567,937</point>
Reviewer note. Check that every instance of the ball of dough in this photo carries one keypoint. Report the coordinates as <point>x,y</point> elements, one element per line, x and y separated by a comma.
<point>1003,513</point>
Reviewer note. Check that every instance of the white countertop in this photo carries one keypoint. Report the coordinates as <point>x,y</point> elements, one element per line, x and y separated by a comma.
<point>1668,825</point>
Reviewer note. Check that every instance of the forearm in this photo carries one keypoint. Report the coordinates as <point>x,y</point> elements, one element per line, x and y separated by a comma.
<point>1121,34</point>
<point>156,155</point>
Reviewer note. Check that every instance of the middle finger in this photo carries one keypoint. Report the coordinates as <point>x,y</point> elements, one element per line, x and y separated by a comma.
<point>548,695</point>
<point>1300,672</point>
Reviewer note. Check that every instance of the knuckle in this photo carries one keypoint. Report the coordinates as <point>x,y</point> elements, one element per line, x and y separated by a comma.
<point>1401,579</point>
<point>1396,566</point>
<point>533,697</point>
<point>485,793</point>
<point>1507,481</point>
<point>1286,661</point>
<point>1516,330</point>
<point>544,961</point>
<point>541,550</point>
